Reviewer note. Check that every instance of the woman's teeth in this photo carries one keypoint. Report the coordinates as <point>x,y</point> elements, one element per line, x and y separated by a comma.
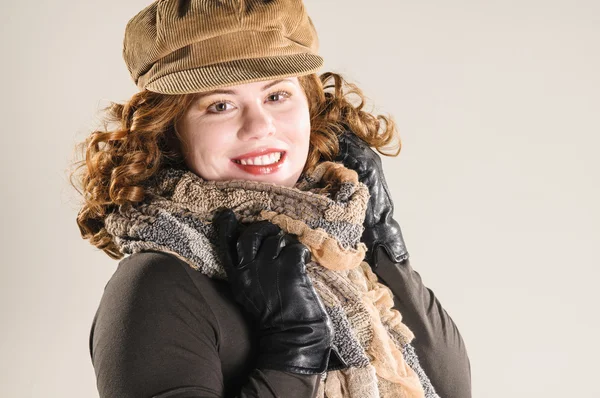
<point>261,160</point>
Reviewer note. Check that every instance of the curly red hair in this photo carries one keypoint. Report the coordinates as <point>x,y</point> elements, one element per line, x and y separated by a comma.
<point>116,163</point>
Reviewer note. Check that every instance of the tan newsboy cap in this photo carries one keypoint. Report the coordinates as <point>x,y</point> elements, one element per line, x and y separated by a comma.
<point>179,47</point>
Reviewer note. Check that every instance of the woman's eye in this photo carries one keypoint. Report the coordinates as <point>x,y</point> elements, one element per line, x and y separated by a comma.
<point>218,107</point>
<point>278,96</point>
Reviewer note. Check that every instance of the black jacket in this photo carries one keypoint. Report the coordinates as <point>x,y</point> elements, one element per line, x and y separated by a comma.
<point>163,330</point>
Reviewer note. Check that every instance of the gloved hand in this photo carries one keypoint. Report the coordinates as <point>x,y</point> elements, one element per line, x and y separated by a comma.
<point>380,227</point>
<point>267,272</point>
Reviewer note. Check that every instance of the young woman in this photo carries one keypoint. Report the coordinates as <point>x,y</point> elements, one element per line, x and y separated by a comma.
<point>263,257</point>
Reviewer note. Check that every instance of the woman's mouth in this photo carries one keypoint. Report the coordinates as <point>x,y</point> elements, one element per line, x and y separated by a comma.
<point>266,163</point>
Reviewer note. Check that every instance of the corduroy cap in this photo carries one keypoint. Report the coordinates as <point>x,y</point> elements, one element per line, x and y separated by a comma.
<point>180,47</point>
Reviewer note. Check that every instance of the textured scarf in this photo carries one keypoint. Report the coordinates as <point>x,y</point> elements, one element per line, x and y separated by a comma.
<point>325,210</point>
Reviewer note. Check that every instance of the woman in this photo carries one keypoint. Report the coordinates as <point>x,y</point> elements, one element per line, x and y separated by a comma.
<point>246,240</point>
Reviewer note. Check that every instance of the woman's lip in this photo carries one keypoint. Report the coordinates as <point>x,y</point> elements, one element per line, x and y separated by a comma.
<point>262,169</point>
<point>258,152</point>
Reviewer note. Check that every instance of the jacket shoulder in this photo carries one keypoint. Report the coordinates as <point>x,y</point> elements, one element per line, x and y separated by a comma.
<point>153,281</point>
<point>151,317</point>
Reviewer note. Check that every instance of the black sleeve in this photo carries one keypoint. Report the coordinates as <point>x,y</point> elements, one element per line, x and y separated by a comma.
<point>438,343</point>
<point>154,335</point>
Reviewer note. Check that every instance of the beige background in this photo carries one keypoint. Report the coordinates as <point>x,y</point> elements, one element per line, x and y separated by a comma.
<point>496,188</point>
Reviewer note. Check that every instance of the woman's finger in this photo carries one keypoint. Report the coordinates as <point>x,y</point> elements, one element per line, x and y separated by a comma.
<point>252,238</point>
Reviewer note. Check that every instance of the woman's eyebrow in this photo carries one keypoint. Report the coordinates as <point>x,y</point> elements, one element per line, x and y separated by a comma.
<point>233,92</point>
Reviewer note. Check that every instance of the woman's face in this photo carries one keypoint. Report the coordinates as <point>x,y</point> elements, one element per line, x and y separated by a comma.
<point>256,131</point>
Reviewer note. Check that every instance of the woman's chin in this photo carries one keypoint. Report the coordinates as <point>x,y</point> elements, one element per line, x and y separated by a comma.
<point>277,178</point>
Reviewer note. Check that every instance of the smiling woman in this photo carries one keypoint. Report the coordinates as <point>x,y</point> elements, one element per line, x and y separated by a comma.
<point>155,131</point>
<point>254,131</point>
<point>262,254</point>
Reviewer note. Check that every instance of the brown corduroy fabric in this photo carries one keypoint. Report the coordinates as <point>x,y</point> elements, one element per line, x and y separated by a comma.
<point>179,47</point>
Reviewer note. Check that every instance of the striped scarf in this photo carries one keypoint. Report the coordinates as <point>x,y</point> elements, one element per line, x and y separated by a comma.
<point>325,210</point>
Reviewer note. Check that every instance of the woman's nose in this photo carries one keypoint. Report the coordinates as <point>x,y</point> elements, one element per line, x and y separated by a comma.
<point>257,124</point>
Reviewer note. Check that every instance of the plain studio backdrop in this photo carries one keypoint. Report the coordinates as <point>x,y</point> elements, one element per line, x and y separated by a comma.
<point>496,188</point>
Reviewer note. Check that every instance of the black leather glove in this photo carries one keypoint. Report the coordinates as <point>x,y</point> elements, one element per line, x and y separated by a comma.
<point>267,272</point>
<point>380,227</point>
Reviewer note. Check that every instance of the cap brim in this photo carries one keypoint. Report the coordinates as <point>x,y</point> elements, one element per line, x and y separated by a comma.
<point>235,72</point>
